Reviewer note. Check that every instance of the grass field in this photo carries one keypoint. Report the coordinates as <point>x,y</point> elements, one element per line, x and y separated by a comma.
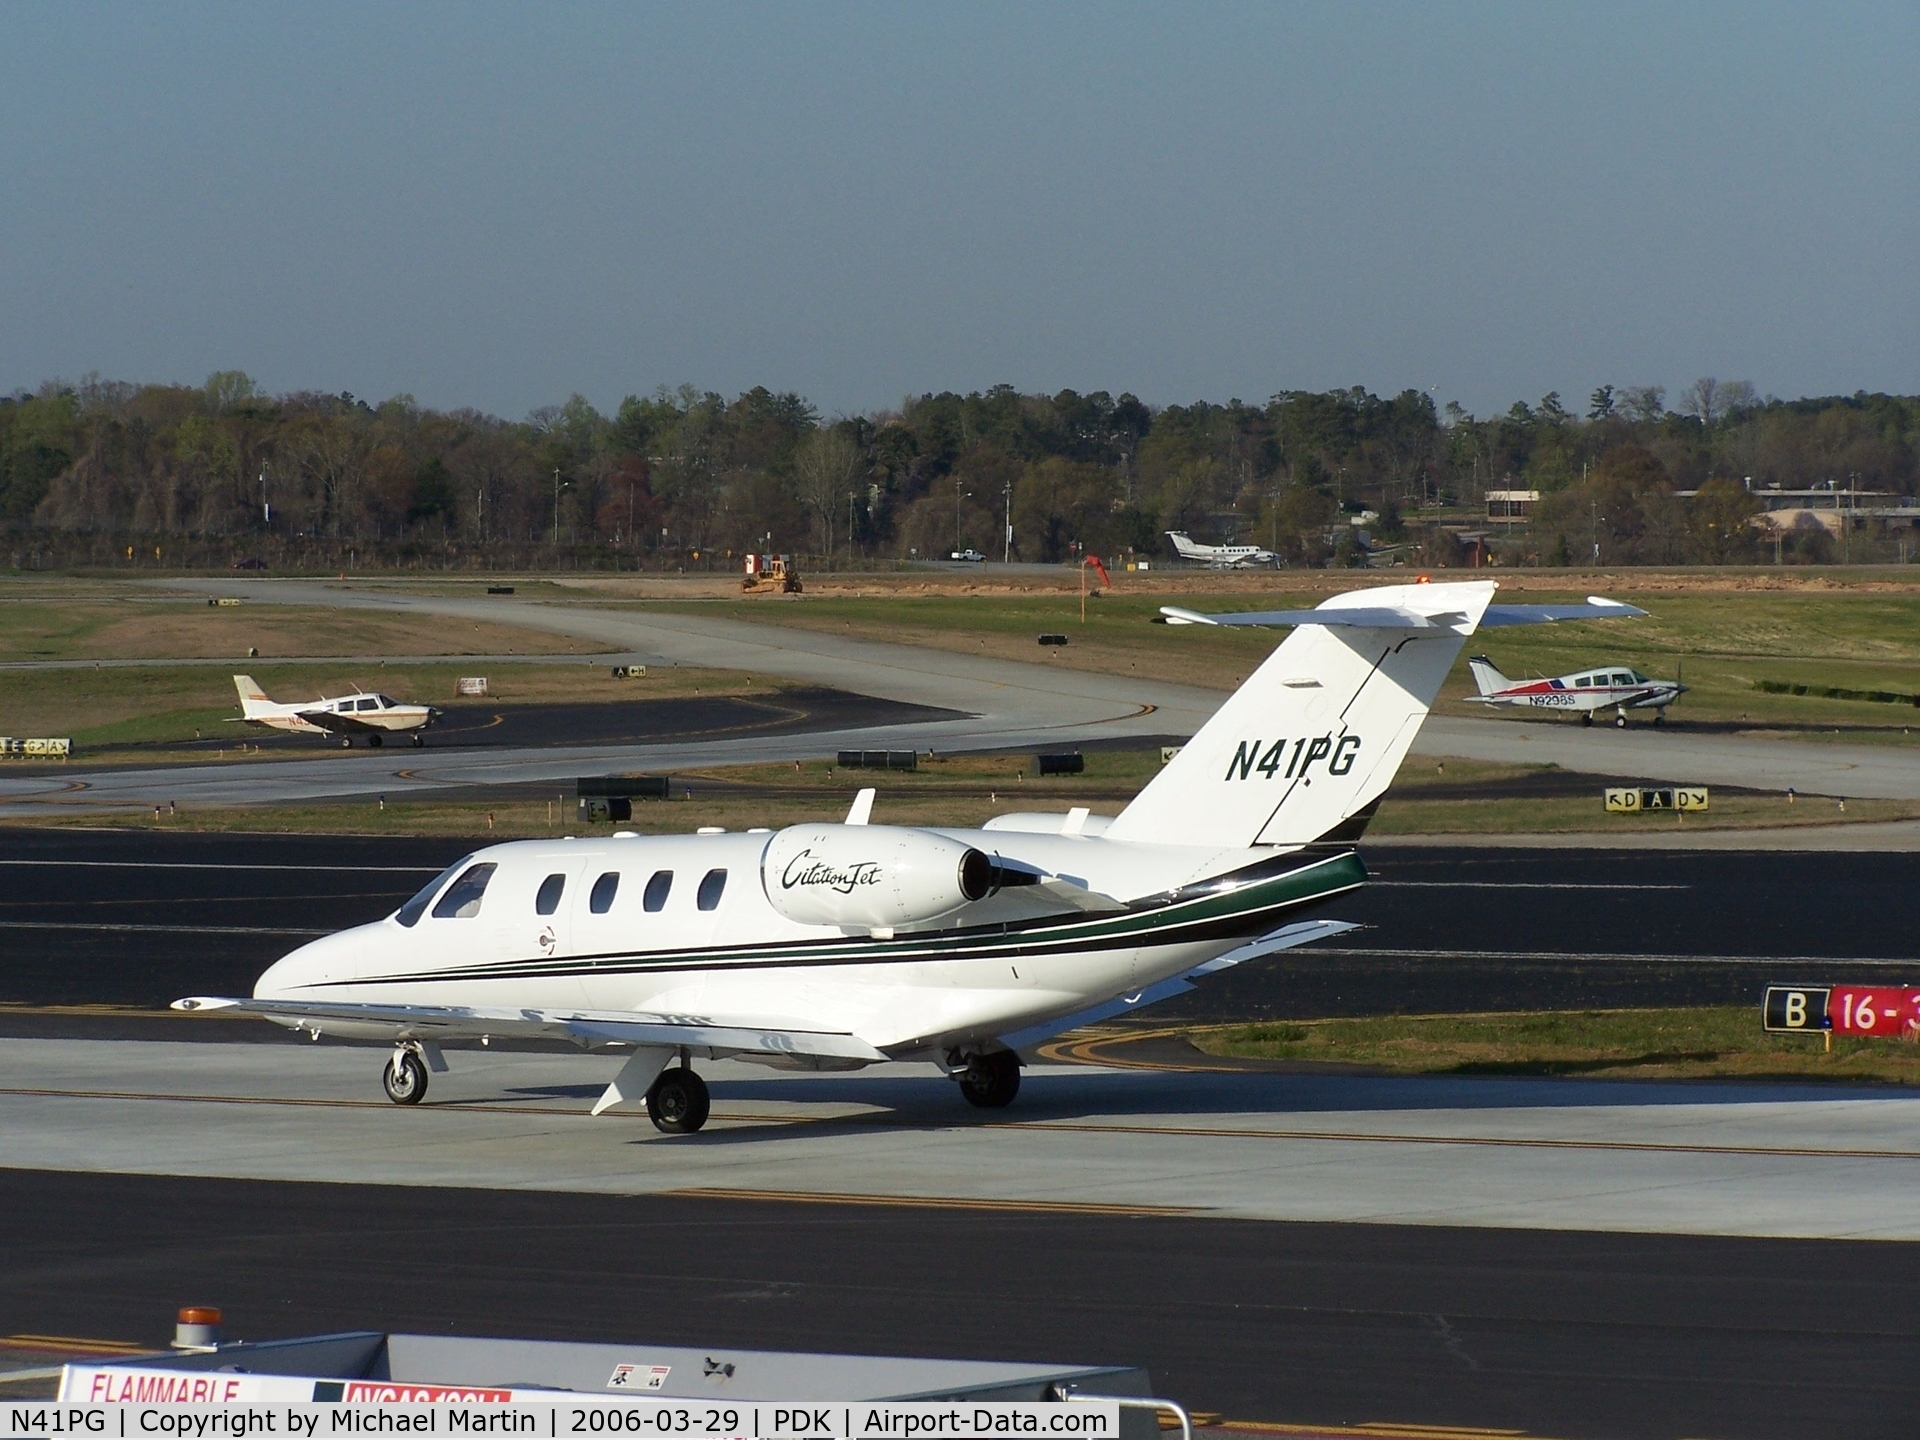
<point>137,626</point>
<point>1724,1041</point>
<point>109,709</point>
<point>1725,633</point>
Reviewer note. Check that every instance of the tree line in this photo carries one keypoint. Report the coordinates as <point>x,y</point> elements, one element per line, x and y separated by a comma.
<point>212,474</point>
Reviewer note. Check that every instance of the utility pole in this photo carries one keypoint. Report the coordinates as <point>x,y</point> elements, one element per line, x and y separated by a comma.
<point>1006,515</point>
<point>557,488</point>
<point>957,493</point>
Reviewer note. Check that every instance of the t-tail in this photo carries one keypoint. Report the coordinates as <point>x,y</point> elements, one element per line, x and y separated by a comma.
<point>1306,748</point>
<point>1486,675</point>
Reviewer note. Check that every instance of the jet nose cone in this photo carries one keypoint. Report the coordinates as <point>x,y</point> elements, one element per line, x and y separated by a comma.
<point>318,962</point>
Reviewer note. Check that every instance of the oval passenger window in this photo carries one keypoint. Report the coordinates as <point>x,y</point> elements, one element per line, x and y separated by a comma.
<point>711,888</point>
<point>600,901</point>
<point>548,900</point>
<point>462,900</point>
<point>655,900</point>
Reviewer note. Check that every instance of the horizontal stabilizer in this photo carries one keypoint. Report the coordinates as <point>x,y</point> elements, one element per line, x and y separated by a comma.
<point>1379,617</point>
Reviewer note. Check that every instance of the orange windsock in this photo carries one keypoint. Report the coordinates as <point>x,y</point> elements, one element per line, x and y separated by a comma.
<point>1094,560</point>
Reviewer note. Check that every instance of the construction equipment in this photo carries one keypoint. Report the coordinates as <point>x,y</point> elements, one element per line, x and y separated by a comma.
<point>771,572</point>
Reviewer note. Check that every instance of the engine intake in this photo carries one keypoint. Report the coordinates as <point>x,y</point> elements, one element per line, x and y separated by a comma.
<point>872,876</point>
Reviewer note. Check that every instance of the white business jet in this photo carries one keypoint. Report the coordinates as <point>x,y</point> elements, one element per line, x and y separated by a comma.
<point>1220,557</point>
<point>834,946</point>
<point>364,712</point>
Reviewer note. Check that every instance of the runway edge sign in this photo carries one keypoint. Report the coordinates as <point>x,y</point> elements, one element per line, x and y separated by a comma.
<point>1889,1011</point>
<point>1632,800</point>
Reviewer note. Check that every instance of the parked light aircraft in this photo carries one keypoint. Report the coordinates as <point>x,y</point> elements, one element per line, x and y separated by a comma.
<point>362,713</point>
<point>1220,557</point>
<point>835,946</point>
<point>1607,687</point>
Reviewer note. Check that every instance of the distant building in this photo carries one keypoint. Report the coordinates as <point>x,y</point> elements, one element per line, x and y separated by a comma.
<point>1511,504</point>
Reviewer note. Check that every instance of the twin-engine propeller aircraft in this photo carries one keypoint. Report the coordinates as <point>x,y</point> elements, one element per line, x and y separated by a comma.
<point>834,946</point>
<point>362,713</point>
<point>1220,557</point>
<point>1608,687</point>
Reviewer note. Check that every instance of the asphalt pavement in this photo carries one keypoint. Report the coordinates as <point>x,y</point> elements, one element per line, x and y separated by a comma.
<point>129,917</point>
<point>1554,1334</point>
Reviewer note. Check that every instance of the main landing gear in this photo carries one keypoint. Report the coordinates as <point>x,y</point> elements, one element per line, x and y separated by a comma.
<point>678,1103</point>
<point>405,1078</point>
<point>990,1081</point>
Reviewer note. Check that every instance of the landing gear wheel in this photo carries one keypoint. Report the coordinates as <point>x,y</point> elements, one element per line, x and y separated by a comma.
<point>1659,717</point>
<point>405,1078</point>
<point>678,1103</point>
<point>346,742</point>
<point>991,1081</point>
<point>1620,722</point>
<point>419,741</point>
<point>1587,719</point>
<point>374,740</point>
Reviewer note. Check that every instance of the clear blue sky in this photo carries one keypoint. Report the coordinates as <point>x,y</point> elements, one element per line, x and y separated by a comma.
<point>499,205</point>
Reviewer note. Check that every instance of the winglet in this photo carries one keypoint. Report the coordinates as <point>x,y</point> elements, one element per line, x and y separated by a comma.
<point>861,810</point>
<point>1179,616</point>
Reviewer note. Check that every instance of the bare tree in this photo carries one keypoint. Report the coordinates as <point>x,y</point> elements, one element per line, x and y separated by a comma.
<point>1702,400</point>
<point>827,466</point>
<point>1643,403</point>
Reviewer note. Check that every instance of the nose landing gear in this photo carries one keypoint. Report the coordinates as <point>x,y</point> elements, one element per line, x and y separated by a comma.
<point>405,1078</point>
<point>678,1103</point>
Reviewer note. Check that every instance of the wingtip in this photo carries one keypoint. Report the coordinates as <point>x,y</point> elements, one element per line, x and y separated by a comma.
<point>203,1002</point>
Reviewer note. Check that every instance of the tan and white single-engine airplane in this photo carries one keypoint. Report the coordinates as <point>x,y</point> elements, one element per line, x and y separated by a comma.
<point>835,946</point>
<point>364,712</point>
<point>1619,688</point>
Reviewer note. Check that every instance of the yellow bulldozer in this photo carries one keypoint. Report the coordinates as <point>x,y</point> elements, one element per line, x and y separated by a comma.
<point>770,573</point>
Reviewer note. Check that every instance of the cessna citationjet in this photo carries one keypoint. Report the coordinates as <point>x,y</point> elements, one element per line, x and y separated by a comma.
<point>1580,692</point>
<point>834,946</point>
<point>361,713</point>
<point>1220,557</point>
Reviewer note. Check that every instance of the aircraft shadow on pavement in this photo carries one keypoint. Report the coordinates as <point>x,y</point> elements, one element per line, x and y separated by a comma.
<point>918,1102</point>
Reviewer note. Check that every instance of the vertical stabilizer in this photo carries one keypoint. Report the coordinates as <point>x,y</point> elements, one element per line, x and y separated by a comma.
<point>1317,733</point>
<point>1486,675</point>
<point>252,697</point>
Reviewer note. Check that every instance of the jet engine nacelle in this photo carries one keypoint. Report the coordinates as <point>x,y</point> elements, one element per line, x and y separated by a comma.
<point>872,876</point>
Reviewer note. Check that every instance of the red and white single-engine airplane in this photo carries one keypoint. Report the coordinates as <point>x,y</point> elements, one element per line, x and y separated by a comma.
<point>1581,692</point>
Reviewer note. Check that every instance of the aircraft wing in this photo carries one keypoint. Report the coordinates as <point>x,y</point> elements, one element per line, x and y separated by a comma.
<point>1304,932</point>
<point>340,724</point>
<point>579,1027</point>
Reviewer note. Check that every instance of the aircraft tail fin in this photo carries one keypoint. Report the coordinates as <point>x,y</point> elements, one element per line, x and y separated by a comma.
<point>1486,675</point>
<point>1183,544</point>
<point>251,695</point>
<point>1305,748</point>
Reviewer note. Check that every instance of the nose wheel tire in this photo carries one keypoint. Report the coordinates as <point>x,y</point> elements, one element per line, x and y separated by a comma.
<point>374,740</point>
<point>405,1078</point>
<point>1621,722</point>
<point>678,1103</point>
<point>991,1081</point>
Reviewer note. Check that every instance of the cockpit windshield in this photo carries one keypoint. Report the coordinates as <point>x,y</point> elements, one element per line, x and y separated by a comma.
<point>409,914</point>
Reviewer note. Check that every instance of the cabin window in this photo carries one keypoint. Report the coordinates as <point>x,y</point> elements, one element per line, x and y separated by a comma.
<point>548,900</point>
<point>1623,679</point>
<point>655,899</point>
<point>369,704</point>
<point>711,888</point>
<point>409,914</point>
<point>600,900</point>
<point>462,900</point>
<point>1583,683</point>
